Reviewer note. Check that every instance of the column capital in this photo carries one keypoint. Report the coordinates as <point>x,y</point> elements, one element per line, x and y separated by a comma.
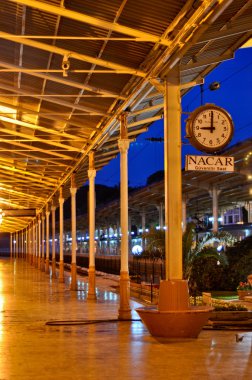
<point>73,181</point>
<point>91,173</point>
<point>185,197</point>
<point>91,160</point>
<point>47,214</point>
<point>123,145</point>
<point>61,200</point>
<point>73,190</point>
<point>123,125</point>
<point>213,191</point>
<point>53,208</point>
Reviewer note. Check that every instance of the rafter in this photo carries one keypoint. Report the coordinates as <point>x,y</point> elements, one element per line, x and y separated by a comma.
<point>36,127</point>
<point>67,82</point>
<point>37,139</point>
<point>28,175</point>
<point>88,110</point>
<point>25,195</point>
<point>22,181</point>
<point>28,156</point>
<point>81,17</point>
<point>37,149</point>
<point>71,54</point>
<point>85,131</point>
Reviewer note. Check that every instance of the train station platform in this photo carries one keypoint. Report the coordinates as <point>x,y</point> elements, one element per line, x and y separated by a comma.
<point>48,332</point>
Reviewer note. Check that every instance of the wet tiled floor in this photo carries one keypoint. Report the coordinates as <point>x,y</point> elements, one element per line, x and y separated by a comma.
<point>31,349</point>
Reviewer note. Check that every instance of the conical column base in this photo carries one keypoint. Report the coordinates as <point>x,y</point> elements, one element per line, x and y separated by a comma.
<point>42,264</point>
<point>91,284</point>
<point>61,271</point>
<point>73,277</point>
<point>47,266</point>
<point>54,268</point>
<point>124,311</point>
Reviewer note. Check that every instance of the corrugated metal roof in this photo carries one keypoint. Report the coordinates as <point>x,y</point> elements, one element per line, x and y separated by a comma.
<point>69,68</point>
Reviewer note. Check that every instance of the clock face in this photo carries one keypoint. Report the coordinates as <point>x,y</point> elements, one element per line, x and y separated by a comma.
<point>210,128</point>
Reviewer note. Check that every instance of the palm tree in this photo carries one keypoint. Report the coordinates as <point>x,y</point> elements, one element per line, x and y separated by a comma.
<point>155,243</point>
<point>194,250</point>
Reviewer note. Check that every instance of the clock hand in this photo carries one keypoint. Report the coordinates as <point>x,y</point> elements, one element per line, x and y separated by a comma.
<point>212,128</point>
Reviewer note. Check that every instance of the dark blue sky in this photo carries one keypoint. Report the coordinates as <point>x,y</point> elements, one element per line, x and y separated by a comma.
<point>234,94</point>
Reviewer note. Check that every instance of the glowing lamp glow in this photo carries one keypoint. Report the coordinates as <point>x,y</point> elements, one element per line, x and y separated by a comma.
<point>137,249</point>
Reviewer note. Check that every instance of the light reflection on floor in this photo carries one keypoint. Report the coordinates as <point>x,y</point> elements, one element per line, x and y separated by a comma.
<point>32,350</point>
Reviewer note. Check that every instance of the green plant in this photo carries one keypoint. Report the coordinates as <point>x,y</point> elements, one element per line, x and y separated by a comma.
<point>154,243</point>
<point>240,263</point>
<point>230,307</point>
<point>218,304</point>
<point>201,251</point>
<point>244,286</point>
<point>197,254</point>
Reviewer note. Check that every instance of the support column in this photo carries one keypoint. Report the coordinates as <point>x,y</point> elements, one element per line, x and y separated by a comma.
<point>14,246</point>
<point>36,243</point>
<point>39,243</point>
<point>184,222</point>
<point>108,241</point>
<point>53,208</point>
<point>22,244</point>
<point>129,233</point>
<point>124,311</point>
<point>118,231</point>
<point>42,265</point>
<point>215,195</point>
<point>17,247</point>
<point>161,216</point>
<point>160,209</point>
<point>61,236</point>
<point>30,242</point>
<point>91,208</point>
<point>73,191</point>
<point>143,217</point>
<point>35,262</point>
<point>11,245</point>
<point>173,293</point>
<point>47,268</point>
<point>173,182</point>
<point>26,244</point>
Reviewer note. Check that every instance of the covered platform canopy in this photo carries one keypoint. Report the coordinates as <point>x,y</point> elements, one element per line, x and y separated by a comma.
<point>68,69</point>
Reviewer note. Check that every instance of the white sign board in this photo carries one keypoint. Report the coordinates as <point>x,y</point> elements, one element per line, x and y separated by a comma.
<point>210,163</point>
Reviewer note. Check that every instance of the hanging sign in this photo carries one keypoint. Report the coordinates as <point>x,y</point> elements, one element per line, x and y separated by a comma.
<point>210,163</point>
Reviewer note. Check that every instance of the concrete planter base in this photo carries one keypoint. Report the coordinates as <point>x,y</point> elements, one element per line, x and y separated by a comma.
<point>230,320</point>
<point>230,316</point>
<point>175,324</point>
<point>244,293</point>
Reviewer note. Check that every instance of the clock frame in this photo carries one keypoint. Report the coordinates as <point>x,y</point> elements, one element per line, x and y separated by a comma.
<point>209,128</point>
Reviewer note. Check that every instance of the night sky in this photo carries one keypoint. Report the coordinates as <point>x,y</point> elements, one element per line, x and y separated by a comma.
<point>234,94</point>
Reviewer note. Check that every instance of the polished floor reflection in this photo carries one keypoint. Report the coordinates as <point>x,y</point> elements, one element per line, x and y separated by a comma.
<point>32,349</point>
